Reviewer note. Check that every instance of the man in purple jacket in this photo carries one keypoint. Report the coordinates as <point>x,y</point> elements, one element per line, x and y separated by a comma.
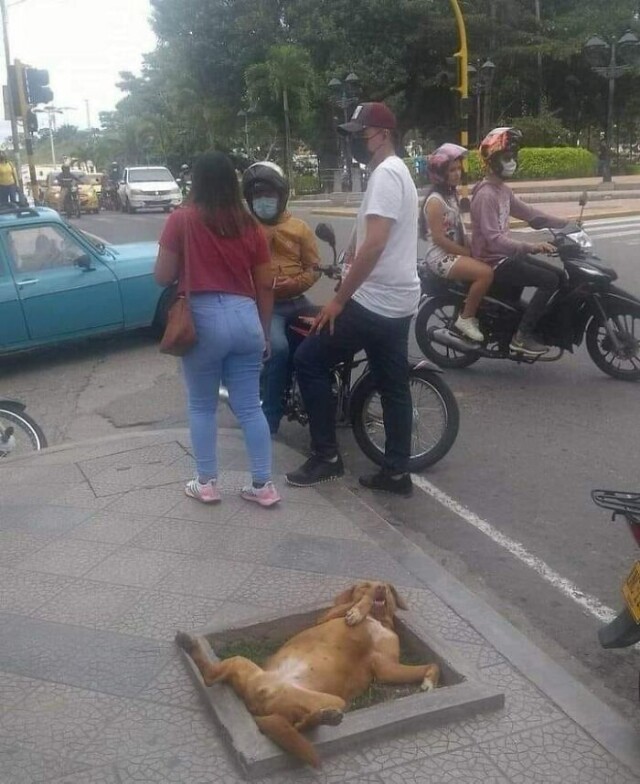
<point>492,204</point>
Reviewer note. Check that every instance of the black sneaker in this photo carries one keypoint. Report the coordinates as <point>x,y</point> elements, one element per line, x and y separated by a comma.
<point>316,470</point>
<point>525,344</point>
<point>387,483</point>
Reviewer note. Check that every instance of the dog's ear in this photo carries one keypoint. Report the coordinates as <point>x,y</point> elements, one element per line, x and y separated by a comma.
<point>400,602</point>
<point>345,597</point>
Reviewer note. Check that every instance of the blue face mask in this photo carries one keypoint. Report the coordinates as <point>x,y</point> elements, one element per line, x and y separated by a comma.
<point>265,207</point>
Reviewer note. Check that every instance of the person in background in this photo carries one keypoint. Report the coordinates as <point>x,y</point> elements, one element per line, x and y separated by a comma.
<point>448,254</point>
<point>231,298</point>
<point>492,203</point>
<point>8,181</point>
<point>294,258</point>
<point>372,310</point>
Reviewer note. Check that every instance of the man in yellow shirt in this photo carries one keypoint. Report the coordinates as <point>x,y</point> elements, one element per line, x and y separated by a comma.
<point>294,258</point>
<point>8,181</point>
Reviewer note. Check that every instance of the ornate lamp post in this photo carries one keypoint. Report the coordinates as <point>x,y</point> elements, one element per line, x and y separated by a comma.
<point>611,60</point>
<point>345,96</point>
<point>245,113</point>
<point>481,80</point>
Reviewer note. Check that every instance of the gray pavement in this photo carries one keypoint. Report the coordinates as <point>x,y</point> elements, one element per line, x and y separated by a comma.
<point>102,558</point>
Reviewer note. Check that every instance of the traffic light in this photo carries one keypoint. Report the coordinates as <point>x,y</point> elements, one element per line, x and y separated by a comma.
<point>37,81</point>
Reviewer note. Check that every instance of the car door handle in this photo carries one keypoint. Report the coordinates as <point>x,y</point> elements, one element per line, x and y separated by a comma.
<point>27,282</point>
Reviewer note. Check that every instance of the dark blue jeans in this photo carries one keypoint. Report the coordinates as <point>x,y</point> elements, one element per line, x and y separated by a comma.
<point>276,369</point>
<point>386,343</point>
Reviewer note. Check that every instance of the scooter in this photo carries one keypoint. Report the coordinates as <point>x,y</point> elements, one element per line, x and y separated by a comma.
<point>587,304</point>
<point>624,630</point>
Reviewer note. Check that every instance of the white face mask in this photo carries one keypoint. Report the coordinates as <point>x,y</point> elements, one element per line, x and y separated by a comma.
<point>509,168</point>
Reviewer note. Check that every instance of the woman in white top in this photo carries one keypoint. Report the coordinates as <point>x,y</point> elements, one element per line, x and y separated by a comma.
<point>448,253</point>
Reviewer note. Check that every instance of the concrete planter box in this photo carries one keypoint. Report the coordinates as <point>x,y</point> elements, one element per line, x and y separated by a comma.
<point>461,694</point>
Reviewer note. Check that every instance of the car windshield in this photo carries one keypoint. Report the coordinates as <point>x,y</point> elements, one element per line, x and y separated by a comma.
<point>150,175</point>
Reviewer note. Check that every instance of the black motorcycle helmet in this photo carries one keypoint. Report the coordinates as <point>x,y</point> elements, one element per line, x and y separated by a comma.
<point>262,176</point>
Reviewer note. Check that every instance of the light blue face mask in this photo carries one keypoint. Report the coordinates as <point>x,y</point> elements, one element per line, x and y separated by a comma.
<point>265,207</point>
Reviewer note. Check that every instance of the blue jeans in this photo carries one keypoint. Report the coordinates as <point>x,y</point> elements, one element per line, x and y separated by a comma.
<point>229,350</point>
<point>277,369</point>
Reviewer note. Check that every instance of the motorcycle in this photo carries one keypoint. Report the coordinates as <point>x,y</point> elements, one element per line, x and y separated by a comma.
<point>72,201</point>
<point>436,416</point>
<point>587,304</point>
<point>624,630</point>
<point>19,433</point>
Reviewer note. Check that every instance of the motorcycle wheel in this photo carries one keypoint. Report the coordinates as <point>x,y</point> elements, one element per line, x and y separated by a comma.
<point>26,432</point>
<point>440,312</point>
<point>436,419</point>
<point>624,318</point>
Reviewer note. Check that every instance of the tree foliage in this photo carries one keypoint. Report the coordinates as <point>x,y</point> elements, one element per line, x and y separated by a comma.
<point>216,58</point>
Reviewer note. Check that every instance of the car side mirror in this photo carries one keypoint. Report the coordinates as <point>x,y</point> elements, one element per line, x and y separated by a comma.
<point>325,232</point>
<point>84,262</point>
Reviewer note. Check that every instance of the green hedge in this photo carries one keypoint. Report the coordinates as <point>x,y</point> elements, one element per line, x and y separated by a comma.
<point>535,163</point>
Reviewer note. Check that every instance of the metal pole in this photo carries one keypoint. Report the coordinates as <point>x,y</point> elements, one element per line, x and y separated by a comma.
<point>53,149</point>
<point>11,98</point>
<point>463,88</point>
<point>609,138</point>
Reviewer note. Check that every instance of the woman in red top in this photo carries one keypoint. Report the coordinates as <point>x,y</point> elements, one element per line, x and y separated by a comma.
<point>231,288</point>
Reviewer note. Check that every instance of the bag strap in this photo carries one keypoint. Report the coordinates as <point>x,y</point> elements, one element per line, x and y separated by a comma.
<point>187,266</point>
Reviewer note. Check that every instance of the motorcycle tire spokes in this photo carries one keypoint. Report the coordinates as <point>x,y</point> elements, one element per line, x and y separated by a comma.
<point>620,362</point>
<point>435,421</point>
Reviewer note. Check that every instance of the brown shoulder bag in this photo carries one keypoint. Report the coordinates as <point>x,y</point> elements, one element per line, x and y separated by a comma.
<point>180,332</point>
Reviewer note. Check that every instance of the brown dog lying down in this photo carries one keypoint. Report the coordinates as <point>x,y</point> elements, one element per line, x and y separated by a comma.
<point>310,680</point>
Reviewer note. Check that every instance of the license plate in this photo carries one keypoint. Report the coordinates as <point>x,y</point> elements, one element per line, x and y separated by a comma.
<point>631,591</point>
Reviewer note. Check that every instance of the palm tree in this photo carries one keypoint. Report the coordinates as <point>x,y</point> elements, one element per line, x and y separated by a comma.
<point>287,72</point>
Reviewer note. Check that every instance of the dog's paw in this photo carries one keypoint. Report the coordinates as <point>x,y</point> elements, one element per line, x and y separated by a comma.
<point>353,616</point>
<point>331,716</point>
<point>427,684</point>
<point>185,641</point>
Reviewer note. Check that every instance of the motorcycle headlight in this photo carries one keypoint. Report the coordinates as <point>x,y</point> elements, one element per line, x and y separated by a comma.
<point>581,238</point>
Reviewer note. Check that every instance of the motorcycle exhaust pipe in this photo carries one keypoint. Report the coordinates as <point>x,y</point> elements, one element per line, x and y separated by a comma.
<point>445,337</point>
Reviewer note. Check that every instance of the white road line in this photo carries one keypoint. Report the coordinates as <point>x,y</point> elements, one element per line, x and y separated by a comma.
<point>614,234</point>
<point>589,603</point>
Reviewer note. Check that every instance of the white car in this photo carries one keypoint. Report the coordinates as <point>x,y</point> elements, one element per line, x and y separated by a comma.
<point>148,187</point>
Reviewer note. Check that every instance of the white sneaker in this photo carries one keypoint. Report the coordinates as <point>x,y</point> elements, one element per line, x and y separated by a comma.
<point>469,328</point>
<point>267,495</point>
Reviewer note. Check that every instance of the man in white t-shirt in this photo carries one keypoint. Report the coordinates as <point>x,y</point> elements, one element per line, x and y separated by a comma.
<point>371,310</point>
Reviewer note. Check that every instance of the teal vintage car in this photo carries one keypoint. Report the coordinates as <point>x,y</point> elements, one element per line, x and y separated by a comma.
<point>58,283</point>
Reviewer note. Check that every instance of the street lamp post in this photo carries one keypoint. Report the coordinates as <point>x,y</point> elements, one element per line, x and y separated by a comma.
<point>611,60</point>
<point>345,95</point>
<point>481,80</point>
<point>245,114</point>
<point>51,112</point>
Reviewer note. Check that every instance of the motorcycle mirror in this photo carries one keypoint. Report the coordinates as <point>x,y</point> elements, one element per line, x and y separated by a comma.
<point>582,201</point>
<point>537,223</point>
<point>325,232</point>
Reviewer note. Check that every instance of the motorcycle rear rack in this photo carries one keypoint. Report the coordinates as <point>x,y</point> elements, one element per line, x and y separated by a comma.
<point>618,502</point>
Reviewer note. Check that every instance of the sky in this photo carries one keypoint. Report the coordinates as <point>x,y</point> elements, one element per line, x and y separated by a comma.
<point>84,44</point>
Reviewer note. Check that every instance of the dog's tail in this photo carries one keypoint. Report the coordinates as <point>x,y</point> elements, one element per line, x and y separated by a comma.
<point>287,737</point>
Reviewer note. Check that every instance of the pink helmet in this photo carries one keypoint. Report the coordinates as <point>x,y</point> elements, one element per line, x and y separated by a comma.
<point>439,160</point>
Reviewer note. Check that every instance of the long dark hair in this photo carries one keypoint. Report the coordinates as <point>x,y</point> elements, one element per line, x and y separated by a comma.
<point>216,192</point>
